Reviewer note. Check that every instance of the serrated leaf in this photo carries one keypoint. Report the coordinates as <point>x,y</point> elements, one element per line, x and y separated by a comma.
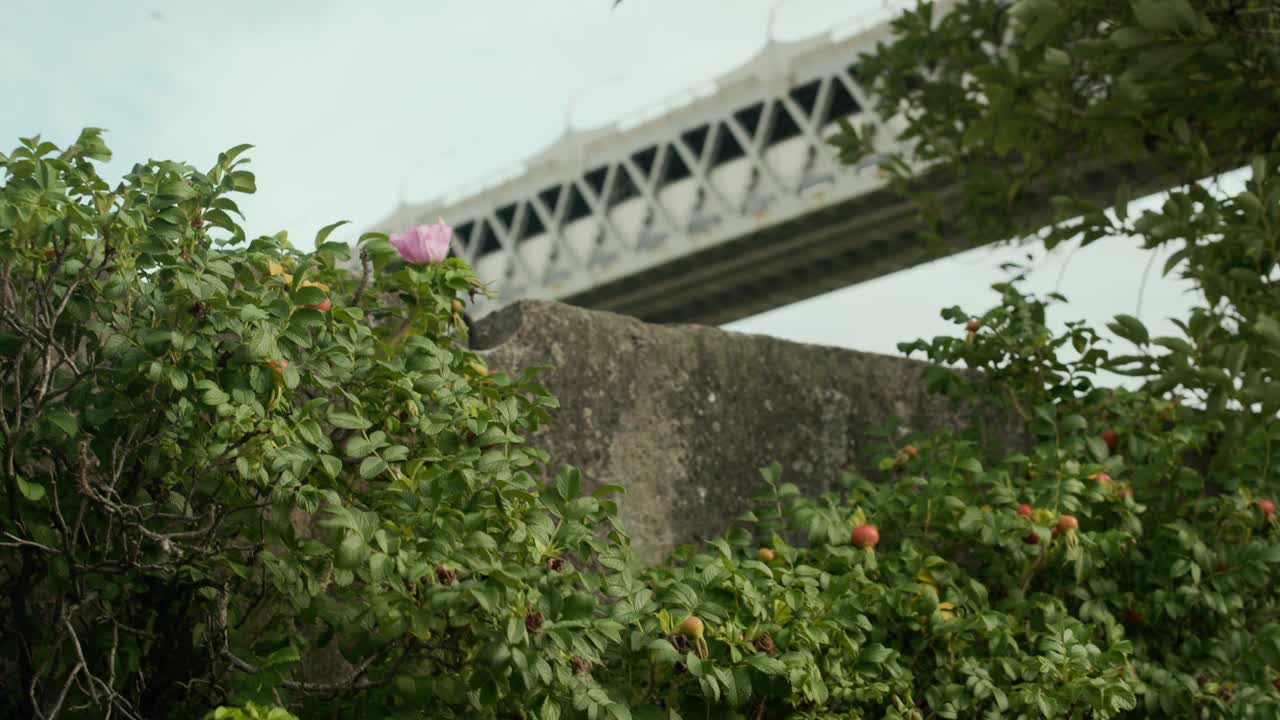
<point>64,421</point>
<point>492,461</point>
<point>310,295</point>
<point>214,396</point>
<point>395,453</point>
<point>568,483</point>
<point>372,466</point>
<point>348,420</point>
<point>332,465</point>
<point>358,447</point>
<point>766,664</point>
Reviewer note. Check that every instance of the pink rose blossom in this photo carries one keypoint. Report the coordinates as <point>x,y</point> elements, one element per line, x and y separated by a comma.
<point>424,243</point>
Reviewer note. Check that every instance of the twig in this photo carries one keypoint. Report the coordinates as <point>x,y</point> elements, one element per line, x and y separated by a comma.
<point>75,640</point>
<point>364,277</point>
<point>19,542</point>
<point>56,710</point>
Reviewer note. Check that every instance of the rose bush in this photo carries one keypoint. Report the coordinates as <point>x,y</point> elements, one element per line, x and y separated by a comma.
<point>236,472</point>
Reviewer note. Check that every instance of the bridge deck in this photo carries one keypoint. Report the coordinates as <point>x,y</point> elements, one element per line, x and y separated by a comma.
<point>723,203</point>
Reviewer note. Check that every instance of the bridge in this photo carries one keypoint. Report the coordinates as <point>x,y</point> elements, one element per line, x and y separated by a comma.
<point>722,202</point>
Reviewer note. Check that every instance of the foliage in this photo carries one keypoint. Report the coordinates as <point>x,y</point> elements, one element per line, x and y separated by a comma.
<point>219,495</point>
<point>207,478</point>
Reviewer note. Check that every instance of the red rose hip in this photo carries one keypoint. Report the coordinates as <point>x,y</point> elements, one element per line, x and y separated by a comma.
<point>1111,438</point>
<point>865,536</point>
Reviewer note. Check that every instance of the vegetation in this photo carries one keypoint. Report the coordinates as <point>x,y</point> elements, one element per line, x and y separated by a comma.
<point>238,476</point>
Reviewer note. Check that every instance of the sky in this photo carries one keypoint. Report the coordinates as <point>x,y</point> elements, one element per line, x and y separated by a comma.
<point>355,107</point>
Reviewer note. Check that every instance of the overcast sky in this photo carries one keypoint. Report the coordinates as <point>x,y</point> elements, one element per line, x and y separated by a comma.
<point>356,106</point>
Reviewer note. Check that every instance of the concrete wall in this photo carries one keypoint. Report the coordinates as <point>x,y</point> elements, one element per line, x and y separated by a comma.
<point>682,416</point>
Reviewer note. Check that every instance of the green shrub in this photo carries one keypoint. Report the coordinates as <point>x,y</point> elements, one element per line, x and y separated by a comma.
<point>175,414</point>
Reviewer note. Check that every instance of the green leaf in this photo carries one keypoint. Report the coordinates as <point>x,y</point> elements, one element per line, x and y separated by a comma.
<point>492,461</point>
<point>214,396</point>
<point>372,466</point>
<point>728,686</point>
<point>284,656</point>
<point>30,491</point>
<point>1130,328</point>
<point>378,563</point>
<point>178,379</point>
<point>694,664</point>
<point>332,465</point>
<point>684,596</point>
<point>767,665</point>
<point>395,453</point>
<point>358,447</point>
<point>242,181</point>
<point>1129,37</point>
<point>1259,167</point>
<point>1074,422</point>
<point>309,295</point>
<point>875,654</point>
<point>340,249</point>
<point>1123,194</point>
<point>550,709</point>
<point>64,421</point>
<point>1169,16</point>
<point>663,651</point>
<point>177,188</point>
<point>569,483</point>
<point>1175,344</point>
<point>226,158</point>
<point>327,230</point>
<point>347,420</point>
<point>1269,328</point>
<point>1097,448</point>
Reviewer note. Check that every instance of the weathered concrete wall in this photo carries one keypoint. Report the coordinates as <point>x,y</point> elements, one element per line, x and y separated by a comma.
<point>683,416</point>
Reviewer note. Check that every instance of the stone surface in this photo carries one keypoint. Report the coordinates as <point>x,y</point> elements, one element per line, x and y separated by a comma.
<point>683,416</point>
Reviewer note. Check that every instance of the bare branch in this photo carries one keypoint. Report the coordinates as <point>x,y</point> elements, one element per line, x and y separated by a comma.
<point>364,277</point>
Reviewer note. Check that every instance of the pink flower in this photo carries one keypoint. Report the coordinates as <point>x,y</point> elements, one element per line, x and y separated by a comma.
<point>424,243</point>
